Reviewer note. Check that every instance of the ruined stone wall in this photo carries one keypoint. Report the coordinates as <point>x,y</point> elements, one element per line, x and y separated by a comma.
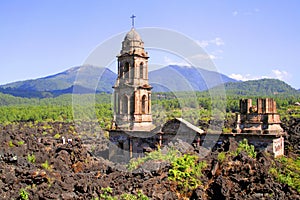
<point>245,105</point>
<point>262,118</point>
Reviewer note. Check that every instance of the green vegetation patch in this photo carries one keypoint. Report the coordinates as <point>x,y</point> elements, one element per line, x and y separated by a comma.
<point>107,195</point>
<point>221,157</point>
<point>244,146</point>
<point>170,156</point>
<point>46,165</point>
<point>31,158</point>
<point>186,171</point>
<point>10,144</point>
<point>287,172</point>
<point>20,143</point>
<point>24,195</point>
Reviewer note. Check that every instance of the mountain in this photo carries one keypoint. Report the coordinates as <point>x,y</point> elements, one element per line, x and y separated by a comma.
<point>172,78</point>
<point>262,87</point>
<point>82,79</point>
<point>185,78</point>
<point>85,79</point>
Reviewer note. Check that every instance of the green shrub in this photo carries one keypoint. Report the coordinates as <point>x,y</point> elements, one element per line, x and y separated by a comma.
<point>154,155</point>
<point>57,136</point>
<point>244,146</point>
<point>20,143</point>
<point>139,196</point>
<point>106,195</point>
<point>46,165</point>
<point>10,144</point>
<point>186,172</point>
<point>226,130</point>
<point>221,157</point>
<point>23,194</point>
<point>31,158</point>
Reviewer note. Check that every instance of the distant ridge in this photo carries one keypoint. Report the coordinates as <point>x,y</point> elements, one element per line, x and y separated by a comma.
<point>163,80</point>
<point>91,79</point>
<point>262,87</point>
<point>63,83</point>
<point>183,78</point>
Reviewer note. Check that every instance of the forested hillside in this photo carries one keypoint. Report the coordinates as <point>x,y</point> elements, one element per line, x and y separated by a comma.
<point>86,79</point>
<point>262,87</point>
<point>190,106</point>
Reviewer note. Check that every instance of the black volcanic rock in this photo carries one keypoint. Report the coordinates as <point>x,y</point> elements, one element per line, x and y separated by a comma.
<point>75,174</point>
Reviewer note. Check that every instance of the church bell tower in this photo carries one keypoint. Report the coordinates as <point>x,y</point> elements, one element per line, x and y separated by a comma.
<point>132,92</point>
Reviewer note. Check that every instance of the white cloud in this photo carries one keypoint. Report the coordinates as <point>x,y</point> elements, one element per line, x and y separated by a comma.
<point>169,61</point>
<point>215,51</point>
<point>248,12</point>
<point>235,13</point>
<point>204,56</point>
<point>203,43</point>
<point>213,57</point>
<point>240,77</point>
<point>275,73</point>
<point>281,75</point>
<point>217,41</point>
<point>256,10</point>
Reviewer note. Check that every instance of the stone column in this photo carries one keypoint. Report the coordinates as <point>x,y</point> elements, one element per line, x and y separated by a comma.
<point>149,104</point>
<point>160,140</point>
<point>259,106</point>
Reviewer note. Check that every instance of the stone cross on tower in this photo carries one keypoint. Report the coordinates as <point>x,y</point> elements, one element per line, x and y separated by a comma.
<point>132,20</point>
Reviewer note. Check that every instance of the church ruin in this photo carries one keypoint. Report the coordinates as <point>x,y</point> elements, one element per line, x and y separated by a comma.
<point>133,132</point>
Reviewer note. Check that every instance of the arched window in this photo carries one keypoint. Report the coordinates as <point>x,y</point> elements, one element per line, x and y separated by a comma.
<point>144,104</point>
<point>142,70</point>
<point>120,70</point>
<point>126,70</point>
<point>124,105</point>
<point>117,103</point>
<point>131,107</point>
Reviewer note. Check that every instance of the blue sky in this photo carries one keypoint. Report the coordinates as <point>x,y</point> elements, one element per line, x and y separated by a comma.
<point>245,39</point>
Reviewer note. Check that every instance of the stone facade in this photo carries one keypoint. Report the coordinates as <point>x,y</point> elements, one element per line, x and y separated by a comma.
<point>132,92</point>
<point>130,144</point>
<point>260,118</point>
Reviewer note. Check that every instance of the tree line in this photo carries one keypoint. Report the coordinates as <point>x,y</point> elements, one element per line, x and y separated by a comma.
<point>191,106</point>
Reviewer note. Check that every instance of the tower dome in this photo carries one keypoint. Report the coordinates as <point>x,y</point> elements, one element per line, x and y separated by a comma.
<point>132,35</point>
<point>132,42</point>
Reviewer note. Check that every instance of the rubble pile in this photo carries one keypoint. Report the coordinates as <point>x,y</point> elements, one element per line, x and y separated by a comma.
<point>35,159</point>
